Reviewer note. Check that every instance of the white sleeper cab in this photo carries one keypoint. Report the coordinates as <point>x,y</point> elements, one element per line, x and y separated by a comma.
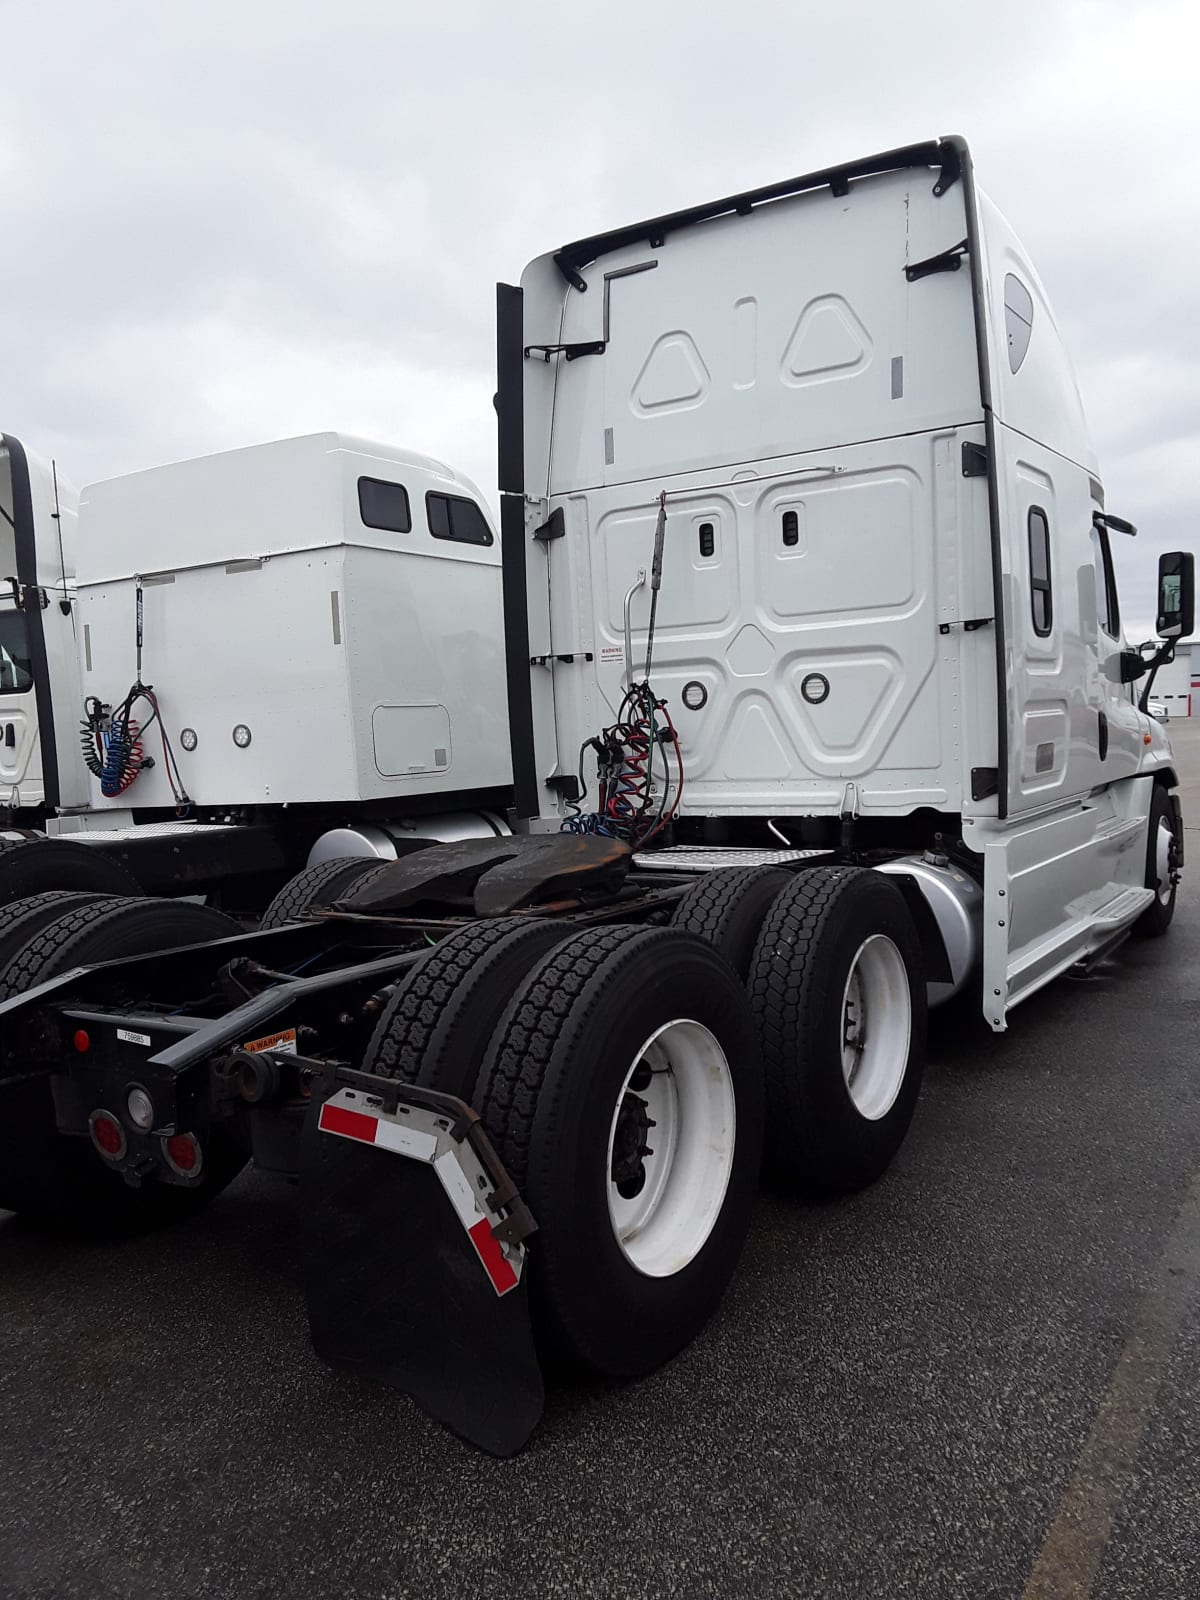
<point>819,713</point>
<point>887,618</point>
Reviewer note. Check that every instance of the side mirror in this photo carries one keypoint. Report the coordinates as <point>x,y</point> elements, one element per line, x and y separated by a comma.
<point>1176,595</point>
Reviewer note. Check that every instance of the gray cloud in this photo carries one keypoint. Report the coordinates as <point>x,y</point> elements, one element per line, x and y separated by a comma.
<point>225,222</point>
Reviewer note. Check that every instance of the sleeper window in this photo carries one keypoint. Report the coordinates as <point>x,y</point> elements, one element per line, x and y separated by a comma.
<point>1040,591</point>
<point>384,505</point>
<point>451,517</point>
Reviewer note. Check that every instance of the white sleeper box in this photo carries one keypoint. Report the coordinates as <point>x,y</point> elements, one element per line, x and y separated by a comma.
<point>366,663</point>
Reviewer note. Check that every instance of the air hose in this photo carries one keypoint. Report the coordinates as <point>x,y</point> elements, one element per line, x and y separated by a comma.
<point>625,752</point>
<point>112,741</point>
<point>112,746</point>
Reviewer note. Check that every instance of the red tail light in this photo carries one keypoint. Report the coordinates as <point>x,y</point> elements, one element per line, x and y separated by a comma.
<point>108,1135</point>
<point>182,1154</point>
<point>82,1040</point>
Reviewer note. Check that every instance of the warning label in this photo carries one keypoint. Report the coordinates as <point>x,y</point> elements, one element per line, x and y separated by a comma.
<point>612,652</point>
<point>284,1043</point>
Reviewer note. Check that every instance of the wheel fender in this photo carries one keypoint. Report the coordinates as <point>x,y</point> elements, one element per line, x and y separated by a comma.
<point>947,909</point>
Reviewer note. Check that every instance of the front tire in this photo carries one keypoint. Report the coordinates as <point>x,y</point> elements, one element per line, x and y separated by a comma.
<point>1162,866</point>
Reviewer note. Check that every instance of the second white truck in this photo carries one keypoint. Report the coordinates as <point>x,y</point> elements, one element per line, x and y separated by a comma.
<point>270,656</point>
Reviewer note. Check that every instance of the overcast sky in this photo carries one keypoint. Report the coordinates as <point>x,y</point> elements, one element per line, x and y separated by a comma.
<point>232,222</point>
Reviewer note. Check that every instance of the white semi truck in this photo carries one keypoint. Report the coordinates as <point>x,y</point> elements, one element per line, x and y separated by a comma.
<point>819,712</point>
<point>233,617</point>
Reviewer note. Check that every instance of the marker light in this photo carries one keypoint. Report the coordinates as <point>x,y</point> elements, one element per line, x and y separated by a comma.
<point>82,1040</point>
<point>140,1108</point>
<point>188,739</point>
<point>241,736</point>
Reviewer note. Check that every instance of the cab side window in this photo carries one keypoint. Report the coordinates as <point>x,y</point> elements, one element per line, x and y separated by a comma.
<point>1041,596</point>
<point>16,670</point>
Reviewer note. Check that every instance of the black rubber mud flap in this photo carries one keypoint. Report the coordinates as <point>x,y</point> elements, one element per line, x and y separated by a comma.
<point>398,1286</point>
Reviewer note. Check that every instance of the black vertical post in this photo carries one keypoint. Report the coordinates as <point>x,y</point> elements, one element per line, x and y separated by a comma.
<point>510,451</point>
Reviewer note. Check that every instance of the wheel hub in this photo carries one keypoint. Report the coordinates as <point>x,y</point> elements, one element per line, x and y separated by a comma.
<point>876,1026</point>
<point>854,1027</point>
<point>670,1148</point>
<point>629,1146</point>
<point>1166,866</point>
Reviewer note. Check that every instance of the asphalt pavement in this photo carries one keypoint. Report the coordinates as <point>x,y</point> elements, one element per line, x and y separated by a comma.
<point>979,1378</point>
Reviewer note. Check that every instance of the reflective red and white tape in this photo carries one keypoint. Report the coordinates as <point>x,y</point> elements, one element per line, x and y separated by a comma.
<point>371,1125</point>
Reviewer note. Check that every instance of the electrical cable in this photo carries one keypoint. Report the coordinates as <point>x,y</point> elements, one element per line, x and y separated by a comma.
<point>625,751</point>
<point>113,743</point>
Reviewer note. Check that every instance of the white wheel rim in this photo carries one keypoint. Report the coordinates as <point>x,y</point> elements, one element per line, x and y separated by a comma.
<point>876,1027</point>
<point>1162,860</point>
<point>685,1087</point>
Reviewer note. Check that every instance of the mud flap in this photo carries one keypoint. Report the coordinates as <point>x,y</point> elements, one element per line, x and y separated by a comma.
<point>414,1260</point>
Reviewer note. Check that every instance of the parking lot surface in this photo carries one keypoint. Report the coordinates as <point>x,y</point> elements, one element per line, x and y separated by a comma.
<point>979,1378</point>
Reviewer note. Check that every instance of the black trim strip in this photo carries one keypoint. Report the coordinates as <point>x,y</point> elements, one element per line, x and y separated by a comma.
<point>967,173</point>
<point>516,654</point>
<point>510,392</point>
<point>25,545</point>
<point>946,154</point>
<point>510,452</point>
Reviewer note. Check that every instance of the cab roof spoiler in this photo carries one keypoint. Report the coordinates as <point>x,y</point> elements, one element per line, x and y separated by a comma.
<point>947,154</point>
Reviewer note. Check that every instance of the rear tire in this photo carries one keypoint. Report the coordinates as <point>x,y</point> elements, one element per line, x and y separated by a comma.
<point>726,909</point>
<point>837,990</point>
<point>436,1028</point>
<point>1162,867</point>
<point>23,918</point>
<point>106,929</point>
<point>317,887</point>
<point>35,866</point>
<point>58,1179</point>
<point>610,1016</point>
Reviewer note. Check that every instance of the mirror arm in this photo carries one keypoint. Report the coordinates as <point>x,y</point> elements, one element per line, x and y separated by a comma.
<point>1165,653</point>
<point>1105,519</point>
